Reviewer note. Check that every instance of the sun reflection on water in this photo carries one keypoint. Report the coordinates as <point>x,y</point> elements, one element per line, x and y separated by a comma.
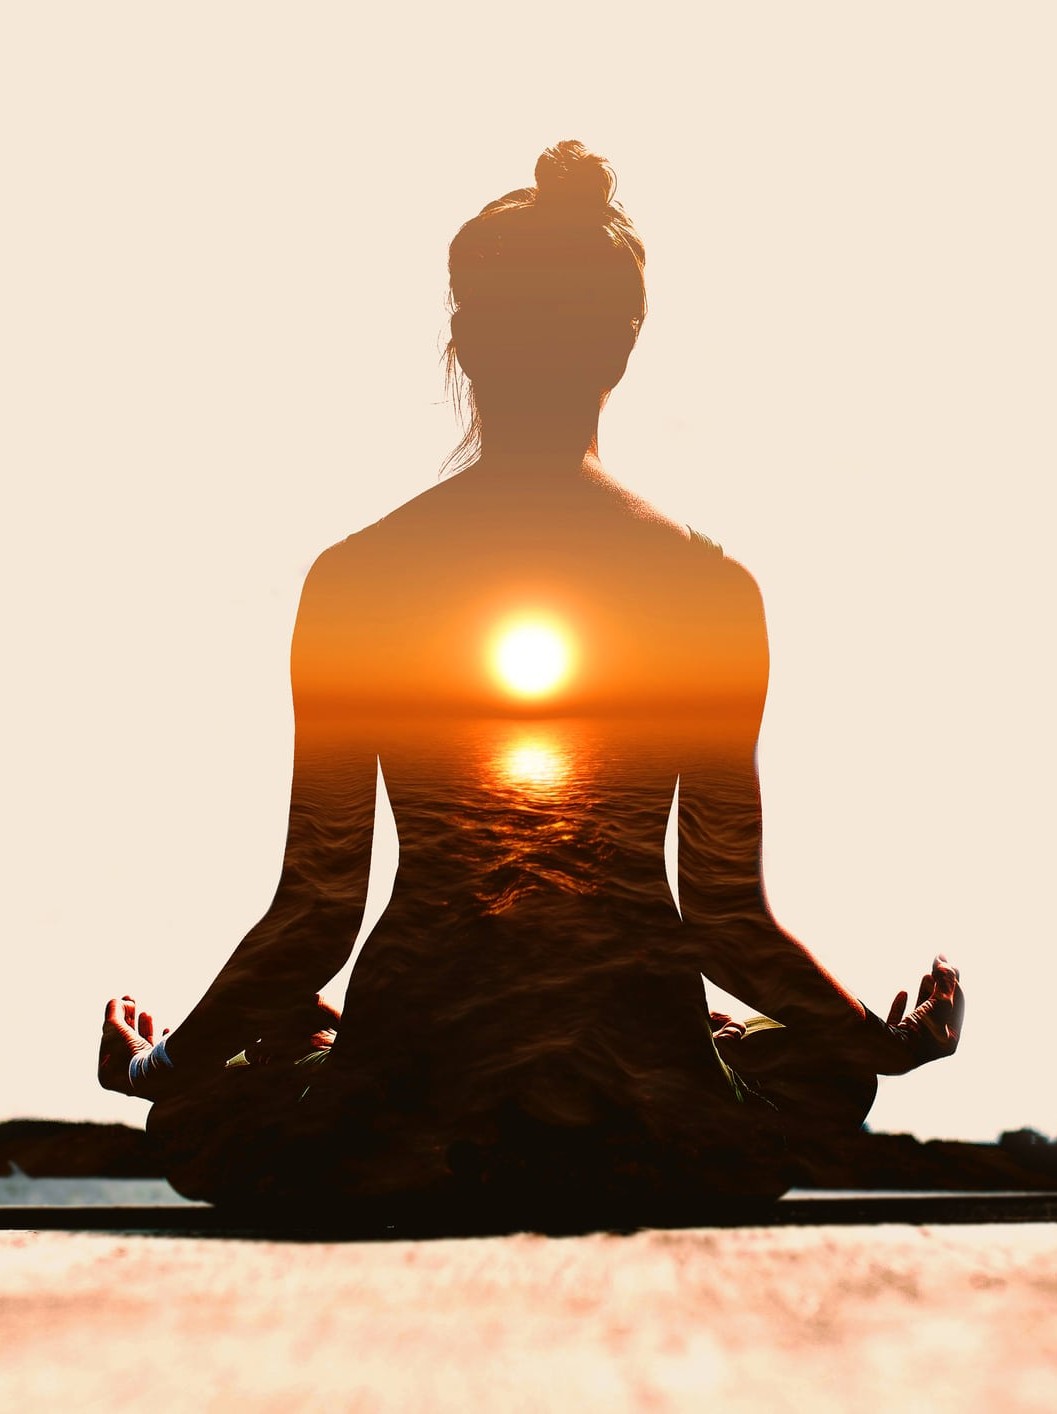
<point>536,763</point>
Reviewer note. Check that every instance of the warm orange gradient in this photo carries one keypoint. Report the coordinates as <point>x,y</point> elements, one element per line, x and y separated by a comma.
<point>518,608</point>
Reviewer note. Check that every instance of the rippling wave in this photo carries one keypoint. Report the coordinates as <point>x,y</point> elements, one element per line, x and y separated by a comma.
<point>532,952</point>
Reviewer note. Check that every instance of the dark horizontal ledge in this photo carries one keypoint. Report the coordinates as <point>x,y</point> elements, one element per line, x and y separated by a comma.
<point>390,1222</point>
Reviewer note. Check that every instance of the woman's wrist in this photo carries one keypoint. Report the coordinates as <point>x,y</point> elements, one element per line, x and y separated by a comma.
<point>890,1048</point>
<point>148,1070</point>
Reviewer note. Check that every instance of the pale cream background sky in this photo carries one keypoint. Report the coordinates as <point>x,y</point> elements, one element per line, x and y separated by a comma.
<point>222,309</point>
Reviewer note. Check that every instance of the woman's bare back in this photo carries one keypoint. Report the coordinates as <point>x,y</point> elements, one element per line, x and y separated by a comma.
<point>532,950</point>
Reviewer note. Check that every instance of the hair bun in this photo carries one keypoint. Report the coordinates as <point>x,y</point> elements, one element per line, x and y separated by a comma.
<point>571,178</point>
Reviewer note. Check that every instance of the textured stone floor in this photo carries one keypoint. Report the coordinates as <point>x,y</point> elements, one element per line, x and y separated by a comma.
<point>774,1319</point>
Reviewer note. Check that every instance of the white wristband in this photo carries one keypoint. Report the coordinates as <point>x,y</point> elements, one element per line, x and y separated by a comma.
<point>147,1063</point>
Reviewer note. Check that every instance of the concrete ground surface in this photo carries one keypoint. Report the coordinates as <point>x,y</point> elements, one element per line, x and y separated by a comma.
<point>764,1319</point>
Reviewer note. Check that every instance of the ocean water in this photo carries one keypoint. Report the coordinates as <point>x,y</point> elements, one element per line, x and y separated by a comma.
<point>532,953</point>
<point>22,1190</point>
<point>557,826</point>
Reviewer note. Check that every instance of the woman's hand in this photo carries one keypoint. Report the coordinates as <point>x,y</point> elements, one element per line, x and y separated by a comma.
<point>933,1029</point>
<point>763,1049</point>
<point>123,1037</point>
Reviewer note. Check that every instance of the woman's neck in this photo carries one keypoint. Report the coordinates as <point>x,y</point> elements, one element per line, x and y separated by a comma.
<point>542,435</point>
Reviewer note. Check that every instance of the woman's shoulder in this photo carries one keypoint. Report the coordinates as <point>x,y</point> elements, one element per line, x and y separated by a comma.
<point>711,555</point>
<point>413,522</point>
<point>459,522</point>
<point>372,537</point>
<point>726,585</point>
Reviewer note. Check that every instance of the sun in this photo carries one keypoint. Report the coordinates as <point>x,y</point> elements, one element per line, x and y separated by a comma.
<point>532,657</point>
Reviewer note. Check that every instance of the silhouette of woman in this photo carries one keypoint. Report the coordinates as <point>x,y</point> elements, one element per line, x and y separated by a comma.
<point>553,679</point>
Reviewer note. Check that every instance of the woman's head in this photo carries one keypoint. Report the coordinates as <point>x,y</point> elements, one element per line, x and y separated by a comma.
<point>547,291</point>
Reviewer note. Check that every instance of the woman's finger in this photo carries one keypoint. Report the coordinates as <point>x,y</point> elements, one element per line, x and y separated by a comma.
<point>146,1026</point>
<point>896,1010</point>
<point>946,981</point>
<point>925,990</point>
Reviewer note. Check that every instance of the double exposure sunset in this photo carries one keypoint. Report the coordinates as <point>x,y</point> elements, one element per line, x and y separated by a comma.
<point>554,689</point>
<point>528,624</point>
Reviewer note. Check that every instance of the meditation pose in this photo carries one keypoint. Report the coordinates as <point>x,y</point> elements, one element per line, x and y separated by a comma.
<point>558,689</point>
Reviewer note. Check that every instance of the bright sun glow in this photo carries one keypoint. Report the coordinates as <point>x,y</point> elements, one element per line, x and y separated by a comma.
<point>533,657</point>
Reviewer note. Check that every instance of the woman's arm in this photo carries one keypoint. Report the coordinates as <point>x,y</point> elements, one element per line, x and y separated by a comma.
<point>722,899</point>
<point>307,934</point>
